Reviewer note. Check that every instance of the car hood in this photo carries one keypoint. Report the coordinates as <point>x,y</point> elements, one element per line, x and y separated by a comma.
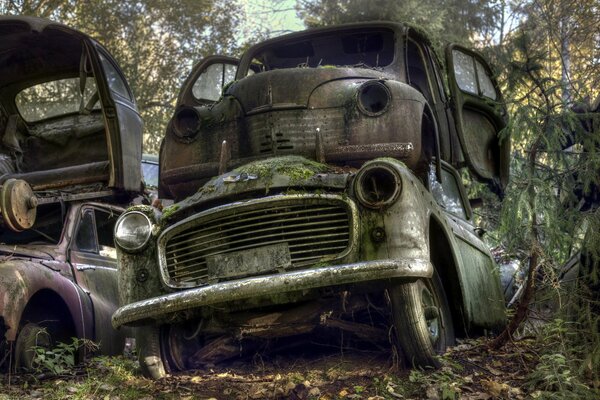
<point>284,174</point>
<point>47,252</point>
<point>292,87</point>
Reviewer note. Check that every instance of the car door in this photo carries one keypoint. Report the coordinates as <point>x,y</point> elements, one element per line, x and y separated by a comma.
<point>480,116</point>
<point>484,301</point>
<point>93,257</point>
<point>205,83</point>
<point>122,119</point>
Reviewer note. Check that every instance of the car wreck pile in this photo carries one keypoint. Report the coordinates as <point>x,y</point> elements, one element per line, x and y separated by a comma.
<point>316,183</point>
<point>317,187</point>
<point>70,153</point>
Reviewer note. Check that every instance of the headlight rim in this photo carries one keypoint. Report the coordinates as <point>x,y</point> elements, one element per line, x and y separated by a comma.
<point>361,89</point>
<point>146,240</point>
<point>186,135</point>
<point>359,186</point>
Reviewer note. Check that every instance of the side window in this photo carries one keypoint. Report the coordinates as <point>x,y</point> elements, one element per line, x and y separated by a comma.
<point>95,232</point>
<point>447,194</point>
<point>114,78</point>
<point>211,81</point>
<point>471,76</point>
<point>417,71</point>
<point>86,233</point>
<point>105,226</point>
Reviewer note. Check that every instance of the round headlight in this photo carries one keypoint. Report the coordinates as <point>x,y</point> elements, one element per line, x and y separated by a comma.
<point>133,230</point>
<point>373,98</point>
<point>186,122</point>
<point>377,185</point>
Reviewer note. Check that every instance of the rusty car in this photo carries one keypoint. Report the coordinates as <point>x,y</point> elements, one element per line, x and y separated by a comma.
<point>317,185</point>
<point>70,154</point>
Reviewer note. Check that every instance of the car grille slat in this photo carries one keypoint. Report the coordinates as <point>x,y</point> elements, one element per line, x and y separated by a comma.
<point>314,228</point>
<point>191,262</point>
<point>192,237</point>
<point>232,238</point>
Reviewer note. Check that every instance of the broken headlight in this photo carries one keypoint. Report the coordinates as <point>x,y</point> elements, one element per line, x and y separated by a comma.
<point>377,185</point>
<point>186,123</point>
<point>133,230</point>
<point>373,98</point>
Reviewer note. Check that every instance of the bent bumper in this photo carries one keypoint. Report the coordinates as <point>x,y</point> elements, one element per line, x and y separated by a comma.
<point>259,286</point>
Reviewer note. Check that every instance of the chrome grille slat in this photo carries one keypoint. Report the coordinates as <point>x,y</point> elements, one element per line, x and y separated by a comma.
<point>230,237</point>
<point>314,229</point>
<point>186,264</point>
<point>193,237</point>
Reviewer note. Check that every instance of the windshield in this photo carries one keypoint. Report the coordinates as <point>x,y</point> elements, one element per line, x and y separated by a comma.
<point>368,47</point>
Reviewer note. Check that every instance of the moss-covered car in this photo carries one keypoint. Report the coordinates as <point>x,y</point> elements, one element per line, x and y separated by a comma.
<point>318,190</point>
<point>70,150</point>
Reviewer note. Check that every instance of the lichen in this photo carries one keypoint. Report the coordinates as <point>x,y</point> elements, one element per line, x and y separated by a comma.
<point>169,211</point>
<point>295,167</point>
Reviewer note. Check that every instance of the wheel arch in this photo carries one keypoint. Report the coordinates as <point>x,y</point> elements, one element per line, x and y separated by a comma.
<point>445,260</point>
<point>38,310</point>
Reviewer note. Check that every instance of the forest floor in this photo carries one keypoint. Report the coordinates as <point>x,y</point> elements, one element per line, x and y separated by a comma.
<point>469,371</point>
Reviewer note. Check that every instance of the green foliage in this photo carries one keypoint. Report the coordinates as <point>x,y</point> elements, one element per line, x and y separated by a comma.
<point>59,360</point>
<point>558,374</point>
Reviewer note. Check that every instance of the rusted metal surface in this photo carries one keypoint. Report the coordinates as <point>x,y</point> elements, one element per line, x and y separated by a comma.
<point>331,158</point>
<point>160,308</point>
<point>42,140</point>
<point>58,152</point>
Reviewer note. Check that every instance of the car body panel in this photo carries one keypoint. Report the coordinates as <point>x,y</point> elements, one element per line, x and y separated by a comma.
<point>35,51</point>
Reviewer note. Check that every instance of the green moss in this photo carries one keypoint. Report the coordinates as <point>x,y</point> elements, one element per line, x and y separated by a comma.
<point>143,208</point>
<point>295,167</point>
<point>169,211</point>
<point>208,188</point>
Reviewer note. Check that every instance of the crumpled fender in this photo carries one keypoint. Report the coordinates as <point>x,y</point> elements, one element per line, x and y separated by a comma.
<point>21,279</point>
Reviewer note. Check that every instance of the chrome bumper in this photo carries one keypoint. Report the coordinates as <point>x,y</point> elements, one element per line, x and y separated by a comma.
<point>266,285</point>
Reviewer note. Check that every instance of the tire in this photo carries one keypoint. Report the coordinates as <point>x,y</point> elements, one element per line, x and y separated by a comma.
<point>147,342</point>
<point>422,320</point>
<point>30,336</point>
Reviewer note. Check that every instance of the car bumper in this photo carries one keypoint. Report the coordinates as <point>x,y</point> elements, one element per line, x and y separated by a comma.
<point>159,307</point>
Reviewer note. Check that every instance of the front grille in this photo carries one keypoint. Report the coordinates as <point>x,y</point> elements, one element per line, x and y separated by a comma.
<point>284,131</point>
<point>315,229</point>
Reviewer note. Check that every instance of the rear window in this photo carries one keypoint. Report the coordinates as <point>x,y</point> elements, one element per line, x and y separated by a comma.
<point>55,98</point>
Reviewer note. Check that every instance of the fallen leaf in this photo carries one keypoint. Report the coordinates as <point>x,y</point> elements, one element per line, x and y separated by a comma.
<point>494,388</point>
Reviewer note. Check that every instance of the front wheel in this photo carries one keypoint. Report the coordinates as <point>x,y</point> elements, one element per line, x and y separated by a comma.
<point>31,337</point>
<point>147,342</point>
<point>422,320</point>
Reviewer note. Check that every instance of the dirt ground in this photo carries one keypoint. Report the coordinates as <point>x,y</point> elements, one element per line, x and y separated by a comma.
<point>470,371</point>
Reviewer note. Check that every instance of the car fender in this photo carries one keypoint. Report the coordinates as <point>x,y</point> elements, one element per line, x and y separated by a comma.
<point>21,280</point>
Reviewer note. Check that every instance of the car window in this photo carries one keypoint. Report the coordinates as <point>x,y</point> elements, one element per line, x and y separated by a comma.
<point>86,233</point>
<point>115,81</point>
<point>211,81</point>
<point>471,76</point>
<point>417,71</point>
<point>447,194</point>
<point>95,232</point>
<point>54,98</point>
<point>150,174</point>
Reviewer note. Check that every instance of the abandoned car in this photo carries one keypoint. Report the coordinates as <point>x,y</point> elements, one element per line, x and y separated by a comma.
<point>70,156</point>
<point>316,184</point>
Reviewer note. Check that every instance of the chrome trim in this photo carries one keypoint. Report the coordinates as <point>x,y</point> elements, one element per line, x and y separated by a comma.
<point>242,289</point>
<point>232,207</point>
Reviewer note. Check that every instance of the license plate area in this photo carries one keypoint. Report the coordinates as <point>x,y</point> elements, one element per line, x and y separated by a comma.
<point>257,261</point>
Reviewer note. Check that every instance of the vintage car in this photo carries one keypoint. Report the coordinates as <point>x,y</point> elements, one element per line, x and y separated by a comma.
<point>70,154</point>
<point>317,187</point>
